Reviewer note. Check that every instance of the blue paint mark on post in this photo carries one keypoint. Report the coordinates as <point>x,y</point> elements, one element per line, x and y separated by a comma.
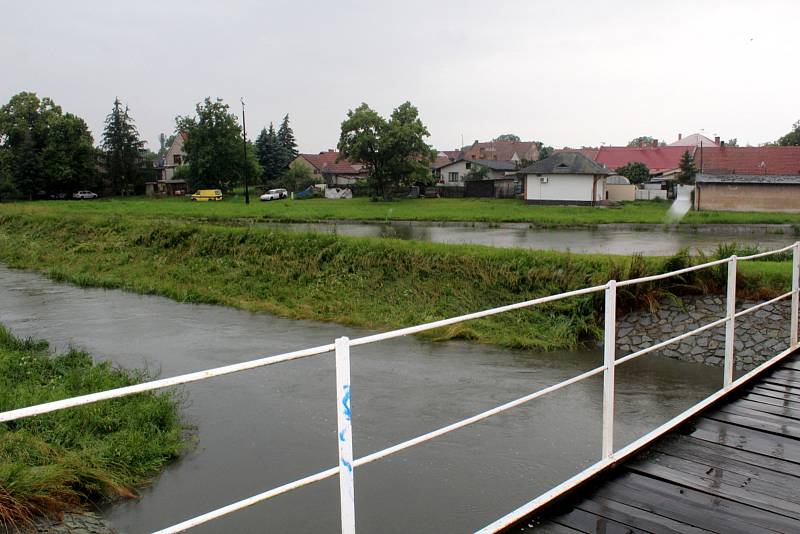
<point>346,402</point>
<point>341,436</point>
<point>347,465</point>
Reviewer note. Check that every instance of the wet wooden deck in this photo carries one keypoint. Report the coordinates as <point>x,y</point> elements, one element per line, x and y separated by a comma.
<point>733,469</point>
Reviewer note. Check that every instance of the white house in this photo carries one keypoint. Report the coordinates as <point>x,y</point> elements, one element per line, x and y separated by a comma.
<point>453,174</point>
<point>565,178</point>
<point>174,158</point>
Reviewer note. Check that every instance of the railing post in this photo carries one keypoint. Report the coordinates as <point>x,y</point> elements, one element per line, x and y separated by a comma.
<point>609,356</point>
<point>730,326</point>
<point>795,293</point>
<point>345,436</point>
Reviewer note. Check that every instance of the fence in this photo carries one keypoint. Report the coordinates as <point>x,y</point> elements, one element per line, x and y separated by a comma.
<point>341,348</point>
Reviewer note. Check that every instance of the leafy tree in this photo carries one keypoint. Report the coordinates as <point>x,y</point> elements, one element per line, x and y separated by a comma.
<point>213,147</point>
<point>792,138</point>
<point>477,172</point>
<point>288,151</point>
<point>165,141</point>
<point>635,171</point>
<point>544,151</point>
<point>393,151</point>
<point>645,140</point>
<point>732,142</point>
<point>123,150</point>
<point>688,170</point>
<point>42,149</point>
<point>507,137</point>
<point>270,155</point>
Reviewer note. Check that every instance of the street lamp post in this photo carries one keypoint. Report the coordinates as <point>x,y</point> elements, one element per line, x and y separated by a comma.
<point>244,141</point>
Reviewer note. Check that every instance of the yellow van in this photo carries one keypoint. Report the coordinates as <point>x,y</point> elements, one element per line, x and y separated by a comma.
<point>204,195</point>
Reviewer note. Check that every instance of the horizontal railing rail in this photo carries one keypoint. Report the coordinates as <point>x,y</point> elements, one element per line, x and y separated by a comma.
<point>341,348</point>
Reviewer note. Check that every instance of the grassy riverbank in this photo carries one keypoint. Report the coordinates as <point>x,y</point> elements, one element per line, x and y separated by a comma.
<point>361,209</point>
<point>66,459</point>
<point>373,283</point>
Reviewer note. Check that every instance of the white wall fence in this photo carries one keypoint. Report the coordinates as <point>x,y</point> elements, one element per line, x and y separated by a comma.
<point>344,435</point>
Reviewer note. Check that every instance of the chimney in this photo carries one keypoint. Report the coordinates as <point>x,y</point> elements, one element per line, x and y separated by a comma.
<point>680,136</point>
<point>716,139</point>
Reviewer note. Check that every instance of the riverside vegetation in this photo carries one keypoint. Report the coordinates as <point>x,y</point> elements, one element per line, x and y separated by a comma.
<point>428,209</point>
<point>373,283</point>
<point>67,459</point>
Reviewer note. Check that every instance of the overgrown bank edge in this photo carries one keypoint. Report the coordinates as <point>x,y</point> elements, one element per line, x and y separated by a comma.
<point>373,283</point>
<point>67,459</point>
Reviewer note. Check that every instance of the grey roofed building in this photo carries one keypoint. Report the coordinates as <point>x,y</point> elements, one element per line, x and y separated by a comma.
<point>496,165</point>
<point>566,163</point>
<point>777,179</point>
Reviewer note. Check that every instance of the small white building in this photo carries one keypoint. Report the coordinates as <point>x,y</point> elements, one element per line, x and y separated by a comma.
<point>565,178</point>
<point>453,174</point>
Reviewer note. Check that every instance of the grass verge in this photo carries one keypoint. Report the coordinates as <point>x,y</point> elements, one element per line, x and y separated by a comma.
<point>374,283</point>
<point>361,209</point>
<point>67,459</point>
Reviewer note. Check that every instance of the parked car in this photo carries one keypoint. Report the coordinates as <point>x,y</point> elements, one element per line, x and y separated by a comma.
<point>274,194</point>
<point>84,195</point>
<point>205,195</point>
<point>57,196</point>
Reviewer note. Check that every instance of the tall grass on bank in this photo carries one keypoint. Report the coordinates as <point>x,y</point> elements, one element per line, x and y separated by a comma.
<point>67,459</point>
<point>374,283</point>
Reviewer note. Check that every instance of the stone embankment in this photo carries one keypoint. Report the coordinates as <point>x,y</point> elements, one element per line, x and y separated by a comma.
<point>759,335</point>
<point>75,523</point>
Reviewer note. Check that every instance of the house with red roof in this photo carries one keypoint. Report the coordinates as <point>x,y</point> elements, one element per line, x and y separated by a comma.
<point>515,151</point>
<point>662,161</point>
<point>326,167</point>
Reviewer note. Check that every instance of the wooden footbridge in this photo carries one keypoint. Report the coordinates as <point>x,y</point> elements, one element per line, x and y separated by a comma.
<point>735,468</point>
<point>730,463</point>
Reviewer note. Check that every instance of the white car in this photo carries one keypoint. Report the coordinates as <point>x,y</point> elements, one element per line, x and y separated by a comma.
<point>81,195</point>
<point>274,194</point>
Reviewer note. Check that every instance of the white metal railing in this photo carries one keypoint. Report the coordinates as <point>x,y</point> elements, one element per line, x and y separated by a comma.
<point>341,348</point>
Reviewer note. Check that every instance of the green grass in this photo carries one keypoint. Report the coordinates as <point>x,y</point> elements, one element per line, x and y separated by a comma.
<point>361,209</point>
<point>67,459</point>
<point>373,283</point>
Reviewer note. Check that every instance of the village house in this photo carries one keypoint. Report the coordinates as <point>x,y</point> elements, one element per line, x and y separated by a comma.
<point>565,178</point>
<point>167,185</point>
<point>695,140</point>
<point>663,162</point>
<point>174,158</point>
<point>516,151</point>
<point>326,169</point>
<point>500,179</point>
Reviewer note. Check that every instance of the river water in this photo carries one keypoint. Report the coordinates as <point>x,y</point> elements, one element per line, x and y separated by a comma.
<point>266,427</point>
<point>657,241</point>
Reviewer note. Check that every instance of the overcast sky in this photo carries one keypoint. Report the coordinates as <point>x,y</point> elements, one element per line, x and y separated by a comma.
<point>564,72</point>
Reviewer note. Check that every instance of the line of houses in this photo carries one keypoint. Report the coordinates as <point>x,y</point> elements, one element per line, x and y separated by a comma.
<point>765,178</point>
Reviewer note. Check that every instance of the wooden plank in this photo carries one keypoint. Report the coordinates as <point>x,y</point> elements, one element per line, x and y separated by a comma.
<point>775,395</point>
<point>781,486</point>
<point>780,381</point>
<point>716,486</point>
<point>587,522</point>
<point>744,462</point>
<point>795,366</point>
<point>548,527</point>
<point>758,423</point>
<point>781,411</point>
<point>779,388</point>
<point>748,439</point>
<point>771,400</point>
<point>624,513</point>
<point>686,505</point>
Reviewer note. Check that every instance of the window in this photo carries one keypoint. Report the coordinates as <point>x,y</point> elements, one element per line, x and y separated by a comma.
<point>469,165</point>
<point>452,176</point>
<point>176,159</point>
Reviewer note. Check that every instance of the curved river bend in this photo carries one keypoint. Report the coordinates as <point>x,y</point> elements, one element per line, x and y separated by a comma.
<point>263,428</point>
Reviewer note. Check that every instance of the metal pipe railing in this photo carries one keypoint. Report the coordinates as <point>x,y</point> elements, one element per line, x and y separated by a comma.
<point>341,348</point>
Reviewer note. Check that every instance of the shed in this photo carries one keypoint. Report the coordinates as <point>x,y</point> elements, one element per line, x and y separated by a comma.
<point>747,192</point>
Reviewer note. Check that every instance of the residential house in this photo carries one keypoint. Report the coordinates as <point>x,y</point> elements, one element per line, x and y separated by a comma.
<point>326,169</point>
<point>516,151</point>
<point>565,178</point>
<point>174,158</point>
<point>775,160</point>
<point>695,140</point>
<point>443,158</point>
<point>662,161</point>
<point>453,174</point>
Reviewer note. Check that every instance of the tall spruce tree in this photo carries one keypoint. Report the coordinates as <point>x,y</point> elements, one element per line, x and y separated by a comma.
<point>270,155</point>
<point>287,143</point>
<point>123,151</point>
<point>688,170</point>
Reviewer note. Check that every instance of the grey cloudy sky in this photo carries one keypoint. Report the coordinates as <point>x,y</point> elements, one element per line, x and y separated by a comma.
<point>567,73</point>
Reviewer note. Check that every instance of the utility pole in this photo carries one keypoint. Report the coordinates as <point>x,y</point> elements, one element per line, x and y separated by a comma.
<point>244,140</point>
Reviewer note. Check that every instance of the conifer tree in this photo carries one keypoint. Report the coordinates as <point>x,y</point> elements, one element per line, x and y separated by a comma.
<point>288,144</point>
<point>123,150</point>
<point>688,170</point>
<point>269,154</point>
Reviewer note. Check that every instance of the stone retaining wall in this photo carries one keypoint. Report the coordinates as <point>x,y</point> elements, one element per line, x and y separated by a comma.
<point>759,335</point>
